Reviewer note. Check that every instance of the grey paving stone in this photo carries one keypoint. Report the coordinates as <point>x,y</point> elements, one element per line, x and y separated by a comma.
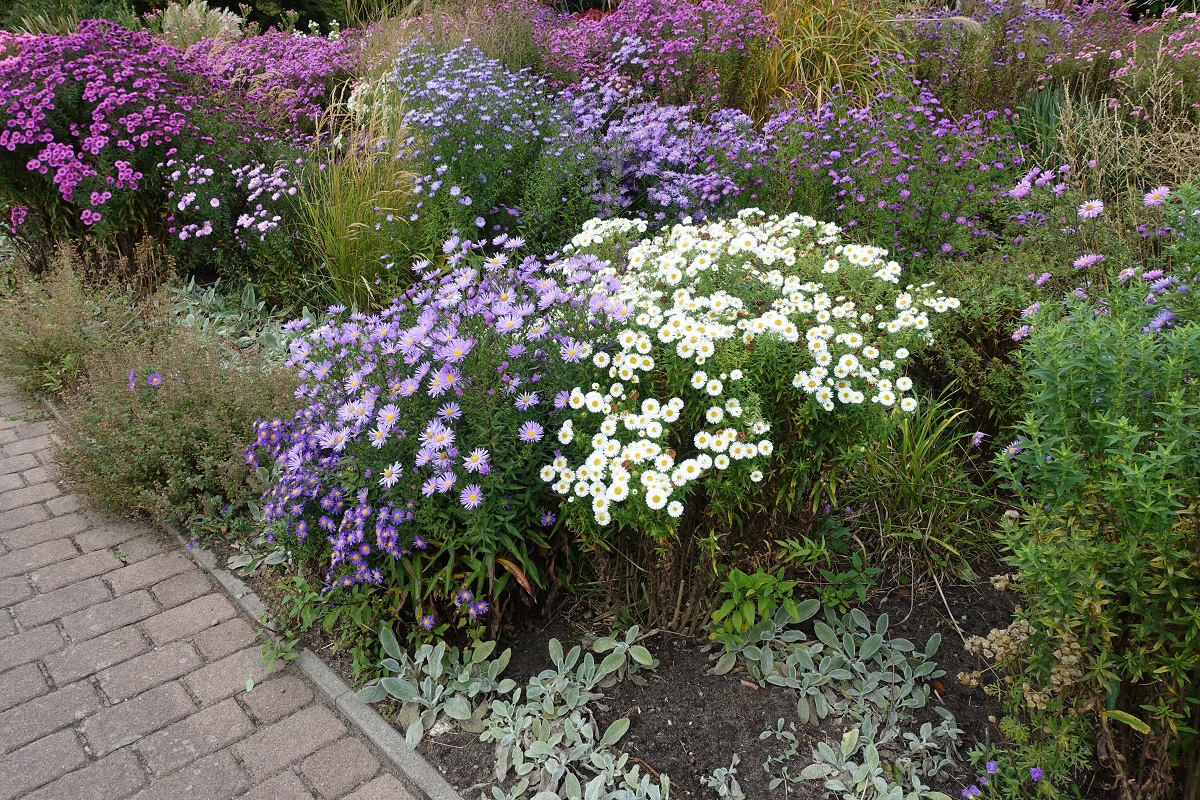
<point>204,732</point>
<point>182,588</point>
<point>189,619</point>
<point>110,778</point>
<point>25,562</point>
<point>217,777</point>
<point>226,638</point>
<point>65,504</point>
<point>28,496</point>
<point>84,658</point>
<point>13,464</point>
<point>31,445</point>
<point>30,645</point>
<point>228,676</point>
<point>14,590</point>
<point>284,785</point>
<point>40,762</point>
<point>21,517</point>
<point>74,570</point>
<point>138,674</point>
<point>125,723</point>
<point>278,697</point>
<point>385,787</point>
<point>288,741</point>
<point>38,532</point>
<point>21,684</point>
<point>340,767</point>
<point>46,714</point>
<point>56,604</point>
<point>109,616</point>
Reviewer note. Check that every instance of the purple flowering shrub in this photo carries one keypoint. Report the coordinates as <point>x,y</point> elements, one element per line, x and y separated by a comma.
<point>85,117</point>
<point>687,52</point>
<point>995,68</point>
<point>664,162</point>
<point>283,73</point>
<point>902,172</point>
<point>499,152</point>
<point>413,465</point>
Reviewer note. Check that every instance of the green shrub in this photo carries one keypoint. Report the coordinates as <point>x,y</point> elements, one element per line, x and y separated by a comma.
<point>1107,466</point>
<point>158,428</point>
<point>54,325</point>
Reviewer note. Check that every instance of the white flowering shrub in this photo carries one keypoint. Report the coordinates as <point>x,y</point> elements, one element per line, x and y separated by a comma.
<point>730,342</point>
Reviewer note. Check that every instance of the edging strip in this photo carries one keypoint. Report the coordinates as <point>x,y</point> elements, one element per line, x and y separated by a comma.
<point>414,771</point>
<point>418,775</point>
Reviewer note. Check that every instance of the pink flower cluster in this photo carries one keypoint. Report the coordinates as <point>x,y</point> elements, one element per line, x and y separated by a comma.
<point>672,48</point>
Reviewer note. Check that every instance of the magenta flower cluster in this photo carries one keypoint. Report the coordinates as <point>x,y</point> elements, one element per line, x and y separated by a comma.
<point>673,49</point>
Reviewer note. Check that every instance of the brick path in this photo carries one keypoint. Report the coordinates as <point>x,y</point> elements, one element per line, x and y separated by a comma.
<point>123,669</point>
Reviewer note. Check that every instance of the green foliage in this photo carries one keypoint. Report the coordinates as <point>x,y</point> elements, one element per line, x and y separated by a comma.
<point>172,450</point>
<point>352,196</point>
<point>56,324</point>
<point>1107,465</point>
<point>853,668</point>
<point>912,492</point>
<point>550,740</point>
<point>62,16</point>
<point>751,599</point>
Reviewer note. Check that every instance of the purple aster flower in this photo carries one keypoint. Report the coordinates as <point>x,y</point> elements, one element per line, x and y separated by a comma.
<point>1035,773</point>
<point>1088,260</point>
<point>1164,319</point>
<point>419,543</point>
<point>547,519</point>
<point>991,766</point>
<point>526,401</point>
<point>427,622</point>
<point>463,596</point>
<point>154,379</point>
<point>1156,197</point>
<point>477,460</point>
<point>471,497</point>
<point>531,432</point>
<point>1014,447</point>
<point>1091,209</point>
<point>450,411</point>
<point>478,609</point>
<point>1021,332</point>
<point>977,439</point>
<point>1042,279</point>
<point>132,380</point>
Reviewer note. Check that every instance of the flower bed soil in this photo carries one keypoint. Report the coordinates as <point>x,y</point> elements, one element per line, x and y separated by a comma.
<point>687,723</point>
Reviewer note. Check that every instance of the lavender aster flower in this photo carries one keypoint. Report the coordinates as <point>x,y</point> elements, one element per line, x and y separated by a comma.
<point>427,622</point>
<point>1091,209</point>
<point>1035,773</point>
<point>154,379</point>
<point>531,432</point>
<point>471,497</point>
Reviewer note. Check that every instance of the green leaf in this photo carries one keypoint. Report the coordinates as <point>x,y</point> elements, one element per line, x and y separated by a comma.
<point>931,647</point>
<point>826,634</point>
<point>399,688</point>
<point>388,640</point>
<point>604,644</point>
<point>611,663</point>
<point>371,694</point>
<point>249,684</point>
<point>641,655</point>
<point>458,708</point>
<point>556,652</point>
<point>277,557</point>
<point>724,663</point>
<point>849,742</point>
<point>482,651</point>
<point>1128,719</point>
<point>614,733</point>
<point>414,734</point>
<point>870,647</point>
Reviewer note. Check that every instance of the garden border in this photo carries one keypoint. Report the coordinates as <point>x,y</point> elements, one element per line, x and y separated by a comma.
<point>418,775</point>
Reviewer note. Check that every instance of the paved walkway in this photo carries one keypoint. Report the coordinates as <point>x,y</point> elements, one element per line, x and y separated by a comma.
<point>123,668</point>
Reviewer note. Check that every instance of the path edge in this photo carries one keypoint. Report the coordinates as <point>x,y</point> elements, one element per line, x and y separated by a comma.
<point>418,775</point>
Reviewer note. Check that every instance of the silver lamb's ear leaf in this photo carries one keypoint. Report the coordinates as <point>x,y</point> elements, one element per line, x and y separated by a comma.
<point>849,742</point>
<point>388,640</point>
<point>399,688</point>
<point>814,772</point>
<point>641,655</point>
<point>807,610</point>
<point>724,664</point>
<point>931,647</point>
<point>604,644</point>
<point>572,788</point>
<point>611,663</point>
<point>458,708</point>
<point>371,694</point>
<point>556,651</point>
<point>414,734</point>
<point>614,732</point>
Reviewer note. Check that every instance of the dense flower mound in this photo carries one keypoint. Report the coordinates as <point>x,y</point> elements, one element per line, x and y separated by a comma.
<point>281,71</point>
<point>424,424</point>
<point>903,171</point>
<point>727,329</point>
<point>660,161</point>
<point>488,136</point>
<point>671,48</point>
<point>136,93</point>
